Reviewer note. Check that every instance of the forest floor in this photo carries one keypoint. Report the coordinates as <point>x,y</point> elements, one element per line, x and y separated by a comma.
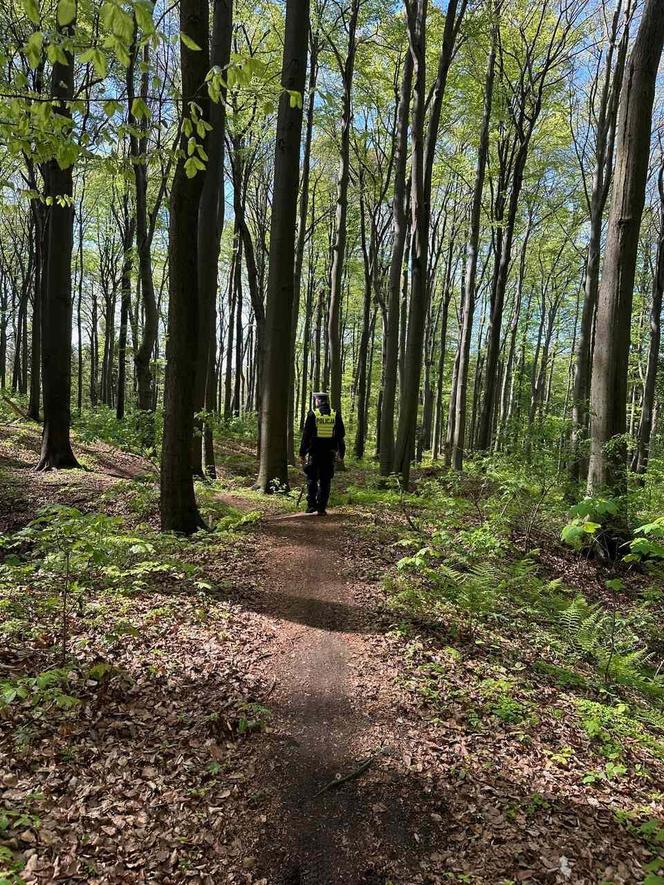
<point>252,707</point>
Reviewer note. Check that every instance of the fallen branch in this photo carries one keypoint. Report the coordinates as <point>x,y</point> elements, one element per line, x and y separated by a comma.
<point>411,522</point>
<point>339,781</point>
<point>19,411</point>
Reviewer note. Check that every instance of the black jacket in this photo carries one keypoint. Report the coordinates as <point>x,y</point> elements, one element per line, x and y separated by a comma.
<point>312,445</point>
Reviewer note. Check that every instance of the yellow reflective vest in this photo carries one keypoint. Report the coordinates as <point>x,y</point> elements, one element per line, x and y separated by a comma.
<point>325,424</point>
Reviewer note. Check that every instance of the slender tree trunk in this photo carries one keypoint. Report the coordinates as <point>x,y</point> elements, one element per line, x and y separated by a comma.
<point>369,255</point>
<point>422,176</point>
<point>400,227</point>
<point>128,232</point>
<point>347,68</point>
<point>230,332</point>
<point>301,232</point>
<point>209,229</point>
<point>37,301</point>
<point>138,148</point>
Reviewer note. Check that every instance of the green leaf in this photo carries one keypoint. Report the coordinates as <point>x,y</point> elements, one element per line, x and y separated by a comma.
<point>55,54</point>
<point>98,59</point>
<point>139,109</point>
<point>32,11</point>
<point>144,17</point>
<point>591,527</point>
<point>66,12</point>
<point>189,43</point>
<point>33,49</point>
<point>190,168</point>
<point>107,15</point>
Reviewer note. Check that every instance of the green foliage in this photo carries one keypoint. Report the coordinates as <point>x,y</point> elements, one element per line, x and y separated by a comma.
<point>63,556</point>
<point>650,542</point>
<point>137,432</point>
<point>588,517</point>
<point>41,692</point>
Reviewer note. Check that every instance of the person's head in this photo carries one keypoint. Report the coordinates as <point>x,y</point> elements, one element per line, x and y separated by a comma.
<point>322,402</point>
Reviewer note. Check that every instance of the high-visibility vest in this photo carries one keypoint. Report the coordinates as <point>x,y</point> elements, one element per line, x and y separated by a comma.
<point>325,424</point>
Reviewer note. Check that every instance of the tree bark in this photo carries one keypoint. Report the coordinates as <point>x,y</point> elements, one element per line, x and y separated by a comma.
<point>56,448</point>
<point>279,308</point>
<point>604,146</point>
<point>608,469</point>
<point>642,453</point>
<point>302,231</point>
<point>468,309</point>
<point>422,174</point>
<point>346,69</point>
<point>179,512</point>
<point>400,227</point>
<point>209,229</point>
<point>128,232</point>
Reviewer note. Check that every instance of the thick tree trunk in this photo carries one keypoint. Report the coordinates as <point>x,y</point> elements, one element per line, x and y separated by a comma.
<point>604,145</point>
<point>608,470</point>
<point>279,308</point>
<point>56,448</point>
<point>409,393</point>
<point>642,453</point>
<point>179,512</point>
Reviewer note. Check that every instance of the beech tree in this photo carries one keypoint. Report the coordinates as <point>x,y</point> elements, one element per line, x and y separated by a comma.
<point>57,308</point>
<point>179,512</point>
<point>280,291</point>
<point>608,398</point>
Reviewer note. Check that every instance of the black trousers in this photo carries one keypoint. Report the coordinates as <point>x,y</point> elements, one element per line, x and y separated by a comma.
<point>319,471</point>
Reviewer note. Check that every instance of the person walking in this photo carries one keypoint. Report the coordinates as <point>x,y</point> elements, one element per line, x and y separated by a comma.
<point>323,440</point>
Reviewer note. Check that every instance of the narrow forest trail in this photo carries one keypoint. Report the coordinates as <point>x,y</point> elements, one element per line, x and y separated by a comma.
<point>259,664</point>
<point>328,725</point>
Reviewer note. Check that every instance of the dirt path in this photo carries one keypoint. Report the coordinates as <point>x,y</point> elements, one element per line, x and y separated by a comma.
<point>325,732</point>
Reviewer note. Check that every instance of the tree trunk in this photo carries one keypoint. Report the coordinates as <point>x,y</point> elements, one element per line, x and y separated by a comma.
<point>346,68</point>
<point>209,229</point>
<point>301,233</point>
<point>138,146</point>
<point>56,448</point>
<point>422,174</point>
<point>400,227</point>
<point>128,232</point>
<point>608,470</point>
<point>280,293</point>
<point>39,232</point>
<point>604,145</point>
<point>179,512</point>
<point>649,385</point>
